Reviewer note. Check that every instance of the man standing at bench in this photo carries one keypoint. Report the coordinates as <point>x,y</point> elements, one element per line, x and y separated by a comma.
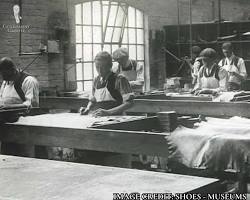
<point>234,65</point>
<point>18,90</point>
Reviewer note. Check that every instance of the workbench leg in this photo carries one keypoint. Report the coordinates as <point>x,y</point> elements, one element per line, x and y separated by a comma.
<point>18,149</point>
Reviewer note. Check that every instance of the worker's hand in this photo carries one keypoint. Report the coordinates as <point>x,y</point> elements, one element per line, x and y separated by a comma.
<point>83,111</point>
<point>101,112</point>
<point>206,91</point>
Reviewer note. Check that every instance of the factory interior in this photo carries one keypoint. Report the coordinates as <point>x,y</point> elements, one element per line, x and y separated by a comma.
<point>124,99</point>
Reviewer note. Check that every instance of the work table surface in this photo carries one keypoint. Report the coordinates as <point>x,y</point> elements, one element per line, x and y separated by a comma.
<point>35,179</point>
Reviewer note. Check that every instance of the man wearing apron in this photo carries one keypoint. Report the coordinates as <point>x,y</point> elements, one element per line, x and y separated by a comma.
<point>17,90</point>
<point>111,95</point>
<point>234,65</point>
<point>129,68</point>
<point>211,78</point>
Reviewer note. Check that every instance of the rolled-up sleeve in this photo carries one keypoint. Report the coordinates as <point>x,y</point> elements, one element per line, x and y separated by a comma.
<point>124,87</point>
<point>242,68</point>
<point>91,95</point>
<point>30,88</point>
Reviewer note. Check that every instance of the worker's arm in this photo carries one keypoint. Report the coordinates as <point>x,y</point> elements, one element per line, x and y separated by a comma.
<point>85,110</point>
<point>14,106</point>
<point>242,75</point>
<point>30,88</point>
<point>92,100</point>
<point>113,111</point>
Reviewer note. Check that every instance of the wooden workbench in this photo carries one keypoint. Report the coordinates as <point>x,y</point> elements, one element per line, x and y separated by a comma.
<point>128,139</point>
<point>184,107</point>
<point>177,96</point>
<point>35,179</point>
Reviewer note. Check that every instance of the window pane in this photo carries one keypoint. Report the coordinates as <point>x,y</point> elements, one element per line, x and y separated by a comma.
<point>117,34</point>
<point>131,36</point>
<point>78,34</point>
<point>120,16</point>
<point>131,15</point>
<point>78,51</point>
<point>87,52</point>
<point>112,15</point>
<point>87,68</point>
<point>79,86</point>
<point>140,36</point>
<point>140,70</point>
<point>79,71</point>
<point>96,49</point>
<point>105,2</point>
<point>107,48</point>
<point>86,12</point>
<point>125,46</point>
<point>139,19</point>
<point>105,14</point>
<point>125,36</point>
<point>132,51</point>
<point>114,47</point>
<point>96,13</point>
<point>109,33</point>
<point>87,85</point>
<point>78,15</point>
<point>140,52</point>
<point>97,35</point>
<point>87,34</point>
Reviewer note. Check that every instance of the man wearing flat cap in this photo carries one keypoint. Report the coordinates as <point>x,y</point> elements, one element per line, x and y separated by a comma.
<point>211,78</point>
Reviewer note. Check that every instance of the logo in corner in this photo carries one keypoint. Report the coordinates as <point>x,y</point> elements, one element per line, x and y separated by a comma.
<point>16,11</point>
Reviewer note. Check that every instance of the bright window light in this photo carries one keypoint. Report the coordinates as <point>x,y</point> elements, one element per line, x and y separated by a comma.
<point>105,25</point>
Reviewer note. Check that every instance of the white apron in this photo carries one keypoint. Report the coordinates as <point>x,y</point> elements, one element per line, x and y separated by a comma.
<point>210,82</point>
<point>131,75</point>
<point>9,94</point>
<point>104,99</point>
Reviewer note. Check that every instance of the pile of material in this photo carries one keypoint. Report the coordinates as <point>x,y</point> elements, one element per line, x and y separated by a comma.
<point>240,96</point>
<point>71,120</point>
<point>217,144</point>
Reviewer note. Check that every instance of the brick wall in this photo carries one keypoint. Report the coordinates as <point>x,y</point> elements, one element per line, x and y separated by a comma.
<point>49,69</point>
<point>35,22</point>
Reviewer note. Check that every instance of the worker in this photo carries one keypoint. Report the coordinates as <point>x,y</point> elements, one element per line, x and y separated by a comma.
<point>111,93</point>
<point>211,78</point>
<point>234,65</point>
<point>195,63</point>
<point>17,90</point>
<point>129,68</point>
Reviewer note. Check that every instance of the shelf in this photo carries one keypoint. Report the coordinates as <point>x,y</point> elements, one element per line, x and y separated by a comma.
<point>215,42</point>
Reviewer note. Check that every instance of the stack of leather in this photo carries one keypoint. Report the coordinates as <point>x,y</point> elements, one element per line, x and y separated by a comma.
<point>168,120</point>
<point>188,121</point>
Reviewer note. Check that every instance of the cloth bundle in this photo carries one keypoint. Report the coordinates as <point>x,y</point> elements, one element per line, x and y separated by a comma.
<point>218,144</point>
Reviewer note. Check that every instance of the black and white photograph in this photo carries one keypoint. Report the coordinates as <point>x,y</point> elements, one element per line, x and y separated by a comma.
<point>124,99</point>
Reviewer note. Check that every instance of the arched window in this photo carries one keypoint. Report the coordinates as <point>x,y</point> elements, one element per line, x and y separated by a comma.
<point>106,25</point>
